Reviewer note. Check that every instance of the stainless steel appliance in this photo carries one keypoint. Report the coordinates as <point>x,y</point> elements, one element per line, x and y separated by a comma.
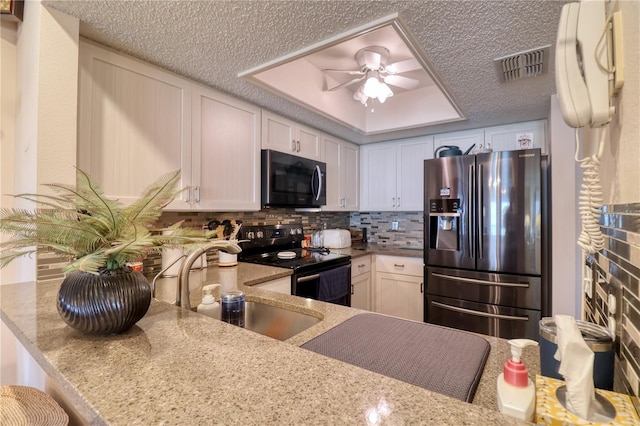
<point>317,273</point>
<point>291,181</point>
<point>486,264</point>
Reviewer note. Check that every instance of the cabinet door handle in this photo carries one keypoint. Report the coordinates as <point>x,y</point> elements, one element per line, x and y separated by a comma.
<point>362,265</point>
<point>351,288</point>
<point>187,198</point>
<point>293,145</point>
<point>398,265</point>
<point>398,202</point>
<point>393,201</point>
<point>421,287</point>
<point>197,194</point>
<point>298,145</point>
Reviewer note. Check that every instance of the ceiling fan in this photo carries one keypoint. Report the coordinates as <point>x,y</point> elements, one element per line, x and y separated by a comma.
<point>375,72</point>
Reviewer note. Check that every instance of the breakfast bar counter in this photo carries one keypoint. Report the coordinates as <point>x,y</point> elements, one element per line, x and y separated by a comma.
<point>178,367</point>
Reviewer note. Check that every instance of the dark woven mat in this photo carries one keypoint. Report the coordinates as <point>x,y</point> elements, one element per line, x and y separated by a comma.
<point>436,358</point>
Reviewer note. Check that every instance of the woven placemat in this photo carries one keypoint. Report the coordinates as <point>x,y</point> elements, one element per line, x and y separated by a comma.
<point>23,405</point>
<point>436,358</point>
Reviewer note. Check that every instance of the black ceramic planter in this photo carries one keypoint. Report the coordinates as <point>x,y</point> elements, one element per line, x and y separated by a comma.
<point>108,303</point>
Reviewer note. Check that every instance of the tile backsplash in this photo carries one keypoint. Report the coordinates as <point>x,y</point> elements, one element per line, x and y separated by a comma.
<point>613,299</point>
<point>379,226</point>
<point>381,230</point>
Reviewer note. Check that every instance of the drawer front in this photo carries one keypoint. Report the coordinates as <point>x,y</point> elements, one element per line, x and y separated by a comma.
<point>483,287</point>
<point>492,320</point>
<point>399,265</point>
<point>360,265</point>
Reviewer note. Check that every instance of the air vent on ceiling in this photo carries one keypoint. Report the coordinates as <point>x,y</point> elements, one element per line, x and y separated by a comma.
<point>529,63</point>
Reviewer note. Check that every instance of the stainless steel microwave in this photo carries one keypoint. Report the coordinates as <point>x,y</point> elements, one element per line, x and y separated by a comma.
<point>291,181</point>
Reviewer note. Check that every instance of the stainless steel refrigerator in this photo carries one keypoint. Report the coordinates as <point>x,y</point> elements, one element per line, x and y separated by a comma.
<point>486,255</point>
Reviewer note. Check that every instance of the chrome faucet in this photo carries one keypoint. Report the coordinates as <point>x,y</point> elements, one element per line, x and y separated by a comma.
<point>182,293</point>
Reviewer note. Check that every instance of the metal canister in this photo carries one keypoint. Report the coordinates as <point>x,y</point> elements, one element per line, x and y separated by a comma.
<point>232,307</point>
<point>599,339</point>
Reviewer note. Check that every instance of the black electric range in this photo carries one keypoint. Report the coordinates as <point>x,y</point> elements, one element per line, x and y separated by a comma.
<point>313,268</point>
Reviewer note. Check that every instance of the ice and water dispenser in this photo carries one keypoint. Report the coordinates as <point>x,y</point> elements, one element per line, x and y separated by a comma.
<point>444,224</point>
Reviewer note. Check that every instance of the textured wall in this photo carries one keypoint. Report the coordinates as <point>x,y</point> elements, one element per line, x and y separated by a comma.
<point>619,262</point>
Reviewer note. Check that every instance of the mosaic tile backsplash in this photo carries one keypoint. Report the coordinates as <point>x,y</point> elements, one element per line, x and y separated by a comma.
<point>613,296</point>
<point>408,230</point>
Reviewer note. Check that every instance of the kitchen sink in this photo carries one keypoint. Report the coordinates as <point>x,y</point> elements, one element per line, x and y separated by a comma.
<point>274,321</point>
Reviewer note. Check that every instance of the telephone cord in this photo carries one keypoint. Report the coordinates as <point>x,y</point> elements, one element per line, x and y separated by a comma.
<point>590,201</point>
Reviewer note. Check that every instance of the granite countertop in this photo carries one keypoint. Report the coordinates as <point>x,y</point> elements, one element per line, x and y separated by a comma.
<point>179,367</point>
<point>358,250</point>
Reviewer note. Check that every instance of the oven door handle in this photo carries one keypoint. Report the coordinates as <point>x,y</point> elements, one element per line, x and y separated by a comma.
<point>308,278</point>
<point>477,313</point>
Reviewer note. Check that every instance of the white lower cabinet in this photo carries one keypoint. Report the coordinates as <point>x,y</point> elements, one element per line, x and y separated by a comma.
<point>361,283</point>
<point>399,287</point>
<point>280,285</point>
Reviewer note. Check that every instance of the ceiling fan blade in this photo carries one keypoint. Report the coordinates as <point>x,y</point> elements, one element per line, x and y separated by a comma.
<point>372,59</point>
<point>400,81</point>
<point>352,72</point>
<point>403,66</point>
<point>340,86</point>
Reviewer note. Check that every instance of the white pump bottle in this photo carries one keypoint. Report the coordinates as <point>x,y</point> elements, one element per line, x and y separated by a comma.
<point>209,306</point>
<point>516,393</point>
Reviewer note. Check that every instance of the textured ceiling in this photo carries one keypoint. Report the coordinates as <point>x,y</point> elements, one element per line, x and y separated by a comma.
<point>213,41</point>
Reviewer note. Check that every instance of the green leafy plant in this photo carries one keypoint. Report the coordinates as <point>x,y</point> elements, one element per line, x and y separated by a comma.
<point>97,234</point>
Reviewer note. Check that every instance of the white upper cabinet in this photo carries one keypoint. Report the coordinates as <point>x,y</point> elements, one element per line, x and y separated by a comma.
<point>284,135</point>
<point>133,124</point>
<point>343,175</point>
<point>225,153</point>
<point>530,134</point>
<point>137,122</point>
<point>392,174</point>
<point>410,174</point>
<point>463,140</point>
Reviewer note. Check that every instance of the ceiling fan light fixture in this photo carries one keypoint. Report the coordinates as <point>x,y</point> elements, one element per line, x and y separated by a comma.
<point>384,93</point>
<point>360,96</point>
<point>372,84</point>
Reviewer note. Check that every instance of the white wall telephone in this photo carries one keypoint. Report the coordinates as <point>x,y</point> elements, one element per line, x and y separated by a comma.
<point>581,80</point>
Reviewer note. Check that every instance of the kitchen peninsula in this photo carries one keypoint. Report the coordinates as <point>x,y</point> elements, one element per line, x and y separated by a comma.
<point>178,367</point>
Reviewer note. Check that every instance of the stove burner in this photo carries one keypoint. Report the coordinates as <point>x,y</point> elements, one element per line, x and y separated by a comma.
<point>286,255</point>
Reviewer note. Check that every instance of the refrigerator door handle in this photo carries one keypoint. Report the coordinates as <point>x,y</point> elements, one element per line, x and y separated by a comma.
<point>480,211</point>
<point>477,313</point>
<point>470,224</point>
<point>482,282</point>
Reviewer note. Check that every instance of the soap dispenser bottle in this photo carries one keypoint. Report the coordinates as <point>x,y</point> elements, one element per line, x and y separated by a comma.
<point>209,306</point>
<point>516,393</point>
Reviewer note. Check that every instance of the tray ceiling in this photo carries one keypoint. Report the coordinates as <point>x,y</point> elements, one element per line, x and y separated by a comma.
<point>214,41</point>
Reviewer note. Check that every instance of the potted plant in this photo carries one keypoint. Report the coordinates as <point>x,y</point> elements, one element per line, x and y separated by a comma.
<point>100,293</point>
